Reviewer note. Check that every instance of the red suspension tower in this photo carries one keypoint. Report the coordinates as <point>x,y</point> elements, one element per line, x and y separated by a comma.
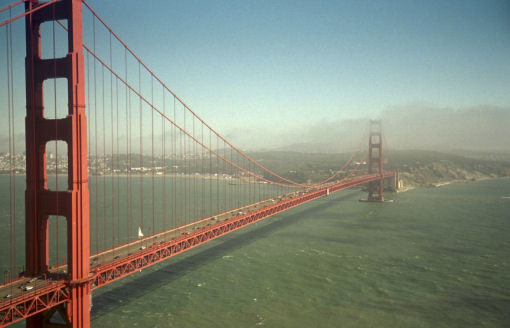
<point>41,203</point>
<point>375,161</point>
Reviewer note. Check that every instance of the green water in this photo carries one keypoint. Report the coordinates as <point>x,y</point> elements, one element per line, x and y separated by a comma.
<point>117,210</point>
<point>434,258</point>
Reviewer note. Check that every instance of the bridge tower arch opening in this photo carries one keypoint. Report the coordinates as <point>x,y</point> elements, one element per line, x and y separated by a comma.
<point>41,202</point>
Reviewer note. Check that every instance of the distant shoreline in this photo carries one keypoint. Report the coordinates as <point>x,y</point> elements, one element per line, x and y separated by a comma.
<point>437,184</point>
<point>448,182</point>
<point>124,175</point>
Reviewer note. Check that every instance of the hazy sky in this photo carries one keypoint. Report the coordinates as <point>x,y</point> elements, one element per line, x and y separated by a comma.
<point>287,64</point>
<point>267,73</point>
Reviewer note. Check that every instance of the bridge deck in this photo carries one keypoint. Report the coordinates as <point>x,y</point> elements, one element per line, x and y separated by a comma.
<point>29,295</point>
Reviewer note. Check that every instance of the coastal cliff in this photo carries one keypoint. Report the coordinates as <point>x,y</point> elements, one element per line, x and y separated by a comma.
<point>419,169</point>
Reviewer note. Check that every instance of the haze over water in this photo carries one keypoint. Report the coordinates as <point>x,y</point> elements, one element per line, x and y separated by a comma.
<point>434,258</point>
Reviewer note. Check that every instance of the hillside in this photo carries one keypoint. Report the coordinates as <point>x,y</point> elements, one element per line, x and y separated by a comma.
<point>416,168</point>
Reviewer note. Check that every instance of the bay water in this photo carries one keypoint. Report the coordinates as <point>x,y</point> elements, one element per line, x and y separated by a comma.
<point>435,257</point>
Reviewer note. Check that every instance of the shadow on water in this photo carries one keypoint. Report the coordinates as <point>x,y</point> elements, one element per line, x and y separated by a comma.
<point>136,288</point>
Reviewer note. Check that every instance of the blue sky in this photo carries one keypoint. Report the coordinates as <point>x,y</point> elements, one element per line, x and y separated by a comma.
<point>287,63</point>
<point>270,69</point>
<point>344,58</point>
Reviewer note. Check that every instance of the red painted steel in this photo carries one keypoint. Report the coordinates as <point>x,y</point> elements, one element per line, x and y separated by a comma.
<point>34,304</point>
<point>375,143</point>
<point>72,203</point>
<point>12,6</point>
<point>27,12</point>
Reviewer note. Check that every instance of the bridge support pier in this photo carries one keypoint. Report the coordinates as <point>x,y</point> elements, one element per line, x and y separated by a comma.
<point>40,202</point>
<point>375,162</point>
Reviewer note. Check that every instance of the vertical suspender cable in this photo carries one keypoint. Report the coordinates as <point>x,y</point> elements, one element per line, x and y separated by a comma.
<point>195,215</point>
<point>112,157</point>
<point>103,169</point>
<point>181,187</point>
<point>88,113</point>
<point>174,169</point>
<point>152,150</point>
<point>249,183</point>
<point>141,146</point>
<point>13,144</point>
<point>163,152</point>
<point>203,172</point>
<point>224,177</point>
<point>96,182</point>
<point>231,189</point>
<point>210,174</point>
<point>241,183</point>
<point>128,152</point>
<point>11,168</point>
<point>217,178</point>
<point>118,158</point>
<point>117,91</point>
<point>87,108</point>
<point>190,172</point>
<point>238,185</point>
<point>184,178</point>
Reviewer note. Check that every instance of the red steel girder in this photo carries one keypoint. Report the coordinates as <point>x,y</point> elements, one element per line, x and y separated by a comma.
<point>29,304</point>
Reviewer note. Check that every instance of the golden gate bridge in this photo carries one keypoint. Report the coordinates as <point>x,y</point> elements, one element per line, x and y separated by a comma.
<point>162,180</point>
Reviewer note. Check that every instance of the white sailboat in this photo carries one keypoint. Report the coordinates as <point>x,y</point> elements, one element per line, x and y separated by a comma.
<point>140,233</point>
